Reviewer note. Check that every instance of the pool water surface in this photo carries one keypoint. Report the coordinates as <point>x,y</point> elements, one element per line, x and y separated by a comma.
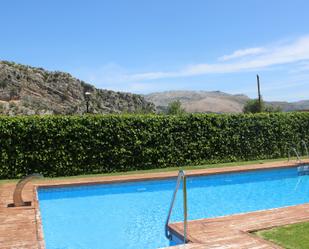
<point>132,215</point>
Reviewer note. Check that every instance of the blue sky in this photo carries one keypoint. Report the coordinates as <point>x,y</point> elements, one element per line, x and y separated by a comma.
<point>147,46</point>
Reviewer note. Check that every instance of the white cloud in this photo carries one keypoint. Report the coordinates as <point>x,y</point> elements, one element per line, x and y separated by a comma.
<point>301,67</point>
<point>295,51</point>
<point>242,53</point>
<point>110,72</point>
<point>290,58</point>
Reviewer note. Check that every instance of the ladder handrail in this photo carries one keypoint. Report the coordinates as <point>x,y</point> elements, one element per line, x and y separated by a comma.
<point>305,146</point>
<point>296,153</point>
<point>181,176</point>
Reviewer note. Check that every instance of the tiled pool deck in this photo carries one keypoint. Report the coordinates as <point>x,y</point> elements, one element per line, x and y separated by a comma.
<point>20,228</point>
<point>234,231</point>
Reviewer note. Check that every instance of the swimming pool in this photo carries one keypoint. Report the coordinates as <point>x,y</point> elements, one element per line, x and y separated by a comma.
<point>132,215</point>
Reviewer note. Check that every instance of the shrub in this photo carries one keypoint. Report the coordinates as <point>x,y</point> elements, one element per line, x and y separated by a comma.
<point>3,83</point>
<point>71,145</point>
<point>175,108</point>
<point>254,106</point>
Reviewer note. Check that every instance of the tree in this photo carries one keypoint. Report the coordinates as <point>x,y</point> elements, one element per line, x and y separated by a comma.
<point>269,108</point>
<point>175,108</point>
<point>254,106</point>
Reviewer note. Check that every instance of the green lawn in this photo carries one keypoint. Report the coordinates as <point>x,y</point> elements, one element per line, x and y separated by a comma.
<point>290,237</point>
<point>169,169</point>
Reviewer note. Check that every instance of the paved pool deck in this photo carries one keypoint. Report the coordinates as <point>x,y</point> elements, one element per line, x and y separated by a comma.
<point>235,231</point>
<point>20,228</point>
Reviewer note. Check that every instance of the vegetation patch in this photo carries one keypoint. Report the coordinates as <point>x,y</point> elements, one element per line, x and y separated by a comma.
<point>91,144</point>
<point>290,237</point>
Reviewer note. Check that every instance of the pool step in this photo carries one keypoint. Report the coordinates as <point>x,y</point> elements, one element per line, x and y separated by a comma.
<point>303,170</point>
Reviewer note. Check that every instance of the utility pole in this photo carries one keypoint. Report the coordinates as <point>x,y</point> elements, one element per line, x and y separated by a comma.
<point>259,93</point>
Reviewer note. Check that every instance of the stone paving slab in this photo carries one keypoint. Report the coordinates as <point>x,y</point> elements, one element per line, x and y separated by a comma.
<point>235,231</point>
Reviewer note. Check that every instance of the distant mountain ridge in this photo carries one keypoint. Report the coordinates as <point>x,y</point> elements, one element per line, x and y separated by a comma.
<point>291,106</point>
<point>214,101</point>
<point>26,90</point>
<point>29,90</point>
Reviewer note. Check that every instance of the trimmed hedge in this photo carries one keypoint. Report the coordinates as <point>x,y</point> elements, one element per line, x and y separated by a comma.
<point>71,145</point>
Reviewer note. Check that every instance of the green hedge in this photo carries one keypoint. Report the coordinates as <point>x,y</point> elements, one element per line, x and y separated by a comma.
<point>71,145</point>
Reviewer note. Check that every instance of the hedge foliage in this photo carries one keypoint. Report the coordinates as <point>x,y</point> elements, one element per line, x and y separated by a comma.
<point>71,145</point>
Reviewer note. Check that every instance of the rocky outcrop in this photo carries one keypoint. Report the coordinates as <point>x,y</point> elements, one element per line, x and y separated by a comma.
<point>28,90</point>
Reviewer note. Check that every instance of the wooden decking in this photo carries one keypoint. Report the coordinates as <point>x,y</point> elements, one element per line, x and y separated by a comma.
<point>20,228</point>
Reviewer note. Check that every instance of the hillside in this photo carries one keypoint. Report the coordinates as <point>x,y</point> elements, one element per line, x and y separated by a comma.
<point>200,101</point>
<point>28,90</point>
<point>215,101</point>
<point>291,106</point>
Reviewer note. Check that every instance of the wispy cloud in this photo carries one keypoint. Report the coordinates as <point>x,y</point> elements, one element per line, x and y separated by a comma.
<point>289,57</point>
<point>248,59</point>
<point>300,68</point>
<point>242,53</point>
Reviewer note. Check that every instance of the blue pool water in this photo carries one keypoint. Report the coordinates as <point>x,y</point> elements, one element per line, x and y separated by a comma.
<point>132,215</point>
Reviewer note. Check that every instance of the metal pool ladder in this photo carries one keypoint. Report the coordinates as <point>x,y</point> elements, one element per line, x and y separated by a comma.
<point>296,153</point>
<point>304,169</point>
<point>306,147</point>
<point>181,176</point>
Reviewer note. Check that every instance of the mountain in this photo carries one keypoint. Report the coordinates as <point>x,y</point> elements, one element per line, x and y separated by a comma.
<point>200,101</point>
<point>214,102</point>
<point>291,106</point>
<point>28,90</point>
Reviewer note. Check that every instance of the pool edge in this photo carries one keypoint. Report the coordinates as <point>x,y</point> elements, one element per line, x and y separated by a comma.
<point>236,230</point>
<point>32,195</point>
<point>163,175</point>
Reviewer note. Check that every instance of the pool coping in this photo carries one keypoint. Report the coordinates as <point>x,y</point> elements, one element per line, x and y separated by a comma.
<point>236,231</point>
<point>36,224</point>
<point>163,175</point>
